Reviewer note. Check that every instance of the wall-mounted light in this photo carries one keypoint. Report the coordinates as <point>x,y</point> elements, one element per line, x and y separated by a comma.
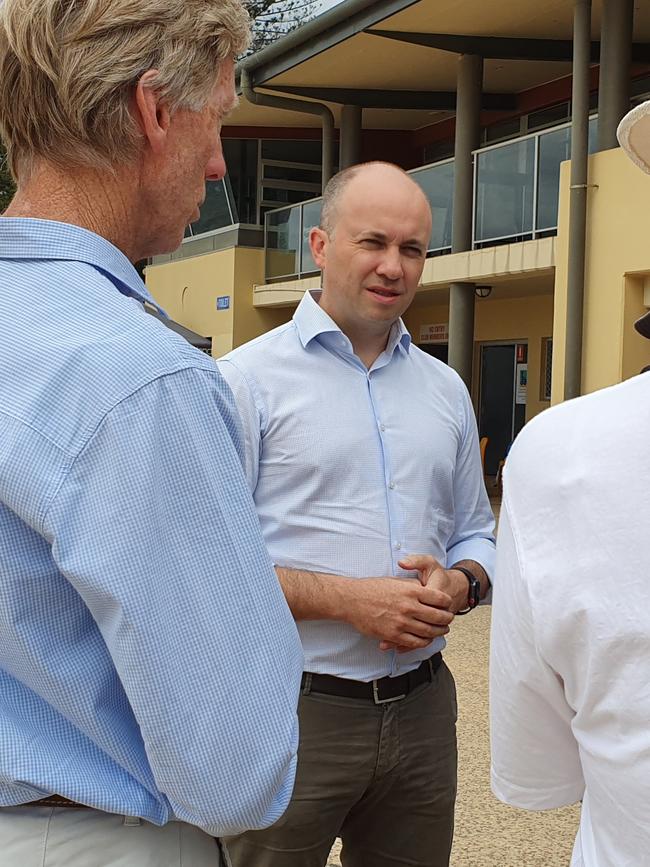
<point>483,291</point>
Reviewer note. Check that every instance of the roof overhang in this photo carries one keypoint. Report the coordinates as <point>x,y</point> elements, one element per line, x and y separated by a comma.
<point>410,49</point>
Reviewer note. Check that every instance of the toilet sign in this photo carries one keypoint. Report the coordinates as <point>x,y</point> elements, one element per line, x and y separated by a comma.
<point>223,302</point>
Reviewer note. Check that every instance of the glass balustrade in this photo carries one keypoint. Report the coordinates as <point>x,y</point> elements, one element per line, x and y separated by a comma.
<point>516,185</point>
<point>286,233</point>
<point>516,192</point>
<point>282,241</point>
<point>437,183</point>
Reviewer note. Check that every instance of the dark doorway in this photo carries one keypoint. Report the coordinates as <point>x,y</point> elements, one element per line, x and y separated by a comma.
<point>438,350</point>
<point>502,403</point>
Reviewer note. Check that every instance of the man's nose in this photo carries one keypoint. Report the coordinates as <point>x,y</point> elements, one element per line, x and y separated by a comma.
<point>215,170</point>
<point>391,264</point>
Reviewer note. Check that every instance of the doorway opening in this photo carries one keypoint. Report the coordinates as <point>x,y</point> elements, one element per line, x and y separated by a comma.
<point>438,350</point>
<point>503,388</point>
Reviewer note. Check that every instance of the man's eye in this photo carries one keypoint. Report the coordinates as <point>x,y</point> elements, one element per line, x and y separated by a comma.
<point>371,242</point>
<point>412,251</point>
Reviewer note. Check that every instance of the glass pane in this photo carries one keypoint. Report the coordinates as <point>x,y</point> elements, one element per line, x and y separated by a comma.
<point>554,148</point>
<point>292,151</point>
<point>546,117</point>
<point>438,150</point>
<point>593,134</point>
<point>504,191</point>
<point>241,159</point>
<point>510,128</point>
<point>310,218</point>
<point>287,197</point>
<point>287,173</point>
<point>215,213</point>
<point>282,236</point>
<point>437,183</point>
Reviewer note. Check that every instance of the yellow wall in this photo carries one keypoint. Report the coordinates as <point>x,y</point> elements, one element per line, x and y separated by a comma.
<point>188,290</point>
<point>252,321</point>
<point>617,255</point>
<point>518,319</point>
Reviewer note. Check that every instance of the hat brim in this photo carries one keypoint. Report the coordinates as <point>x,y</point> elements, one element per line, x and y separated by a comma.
<point>633,134</point>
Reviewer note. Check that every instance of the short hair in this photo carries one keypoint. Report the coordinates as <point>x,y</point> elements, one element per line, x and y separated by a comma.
<point>68,70</point>
<point>338,183</point>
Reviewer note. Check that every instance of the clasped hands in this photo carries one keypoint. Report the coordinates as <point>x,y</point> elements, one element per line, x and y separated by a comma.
<point>405,614</point>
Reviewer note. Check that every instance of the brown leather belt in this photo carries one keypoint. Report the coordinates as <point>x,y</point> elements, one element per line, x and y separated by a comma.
<point>55,801</point>
<point>381,691</point>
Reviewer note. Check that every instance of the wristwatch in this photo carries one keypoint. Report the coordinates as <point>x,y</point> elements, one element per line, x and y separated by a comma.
<point>474,592</point>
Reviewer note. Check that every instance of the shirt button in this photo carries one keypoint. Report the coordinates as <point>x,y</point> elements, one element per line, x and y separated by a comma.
<point>391,485</point>
<point>382,427</point>
<point>398,545</point>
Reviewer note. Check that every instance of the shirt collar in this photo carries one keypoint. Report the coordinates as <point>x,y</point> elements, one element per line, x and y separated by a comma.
<point>312,321</point>
<point>26,238</point>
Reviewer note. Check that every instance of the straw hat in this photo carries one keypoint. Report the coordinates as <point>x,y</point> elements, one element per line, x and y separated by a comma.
<point>633,134</point>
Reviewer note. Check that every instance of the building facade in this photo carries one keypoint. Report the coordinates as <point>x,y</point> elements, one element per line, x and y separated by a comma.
<point>506,115</point>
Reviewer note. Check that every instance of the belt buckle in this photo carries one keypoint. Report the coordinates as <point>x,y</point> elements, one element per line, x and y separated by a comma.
<point>377,700</point>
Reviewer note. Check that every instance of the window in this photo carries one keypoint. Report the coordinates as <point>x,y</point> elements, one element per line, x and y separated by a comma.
<point>505,129</point>
<point>547,367</point>
<point>241,159</point>
<point>438,150</point>
<point>290,172</point>
<point>546,117</point>
<point>217,211</point>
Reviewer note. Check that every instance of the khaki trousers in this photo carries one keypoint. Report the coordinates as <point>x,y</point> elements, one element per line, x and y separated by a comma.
<point>382,777</point>
<point>64,837</point>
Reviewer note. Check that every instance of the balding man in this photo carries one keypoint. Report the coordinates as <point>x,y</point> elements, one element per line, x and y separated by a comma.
<point>361,449</point>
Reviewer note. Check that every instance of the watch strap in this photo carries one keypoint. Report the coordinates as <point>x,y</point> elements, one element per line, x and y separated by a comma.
<point>474,594</point>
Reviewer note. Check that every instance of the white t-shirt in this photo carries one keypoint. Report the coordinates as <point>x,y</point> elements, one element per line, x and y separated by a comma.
<point>570,657</point>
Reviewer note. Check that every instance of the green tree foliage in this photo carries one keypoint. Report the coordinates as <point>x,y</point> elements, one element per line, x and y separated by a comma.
<point>7,186</point>
<point>273,19</point>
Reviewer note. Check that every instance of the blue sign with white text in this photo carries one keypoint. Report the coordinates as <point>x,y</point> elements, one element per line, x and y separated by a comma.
<point>223,302</point>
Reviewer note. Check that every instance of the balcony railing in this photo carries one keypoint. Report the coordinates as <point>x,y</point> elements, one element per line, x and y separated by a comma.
<point>516,190</point>
<point>286,239</point>
<point>516,185</point>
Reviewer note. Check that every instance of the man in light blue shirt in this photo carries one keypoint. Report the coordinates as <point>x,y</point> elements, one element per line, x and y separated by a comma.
<point>361,450</point>
<point>149,663</point>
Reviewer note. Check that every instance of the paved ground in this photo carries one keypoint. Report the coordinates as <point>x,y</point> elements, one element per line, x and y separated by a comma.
<point>489,834</point>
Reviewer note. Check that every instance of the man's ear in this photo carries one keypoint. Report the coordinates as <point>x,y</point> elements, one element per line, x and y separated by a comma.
<point>152,113</point>
<point>318,241</point>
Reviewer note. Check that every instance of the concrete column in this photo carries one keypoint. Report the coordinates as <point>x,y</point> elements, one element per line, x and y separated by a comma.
<point>468,131</point>
<point>577,198</point>
<point>615,62</point>
<point>350,143</point>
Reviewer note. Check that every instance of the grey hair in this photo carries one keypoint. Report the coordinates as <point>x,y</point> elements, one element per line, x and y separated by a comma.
<point>68,70</point>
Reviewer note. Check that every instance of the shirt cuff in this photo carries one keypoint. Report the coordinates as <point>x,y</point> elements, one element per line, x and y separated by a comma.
<point>480,550</point>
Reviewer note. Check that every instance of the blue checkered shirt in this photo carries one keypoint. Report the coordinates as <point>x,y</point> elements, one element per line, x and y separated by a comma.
<point>149,664</point>
<point>352,469</point>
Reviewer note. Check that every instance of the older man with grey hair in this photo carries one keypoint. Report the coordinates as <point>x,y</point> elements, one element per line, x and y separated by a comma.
<point>149,665</point>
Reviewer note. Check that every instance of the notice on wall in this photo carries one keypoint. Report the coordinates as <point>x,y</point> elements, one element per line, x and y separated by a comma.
<point>223,302</point>
<point>435,333</point>
<point>521,389</point>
